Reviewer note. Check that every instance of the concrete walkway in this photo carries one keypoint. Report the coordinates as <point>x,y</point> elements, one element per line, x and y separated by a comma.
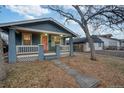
<point>83,80</point>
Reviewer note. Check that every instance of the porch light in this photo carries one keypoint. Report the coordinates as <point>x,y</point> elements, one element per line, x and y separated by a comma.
<point>46,34</point>
<point>61,35</point>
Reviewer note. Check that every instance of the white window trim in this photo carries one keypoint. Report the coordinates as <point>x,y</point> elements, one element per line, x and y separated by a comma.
<point>23,36</point>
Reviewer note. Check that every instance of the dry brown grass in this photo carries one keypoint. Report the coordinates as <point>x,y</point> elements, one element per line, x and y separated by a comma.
<point>110,70</point>
<point>37,74</point>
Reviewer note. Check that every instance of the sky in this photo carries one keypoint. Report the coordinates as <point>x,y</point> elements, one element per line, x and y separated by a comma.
<point>12,13</point>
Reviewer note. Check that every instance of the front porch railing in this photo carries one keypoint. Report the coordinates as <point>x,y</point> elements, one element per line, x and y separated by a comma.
<point>26,49</point>
<point>64,48</point>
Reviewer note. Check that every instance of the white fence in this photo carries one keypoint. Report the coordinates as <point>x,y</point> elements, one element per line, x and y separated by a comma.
<point>25,49</point>
<point>64,48</point>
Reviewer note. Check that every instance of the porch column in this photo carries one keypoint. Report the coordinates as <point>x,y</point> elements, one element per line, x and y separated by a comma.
<point>58,51</point>
<point>71,45</point>
<point>40,52</point>
<point>12,46</point>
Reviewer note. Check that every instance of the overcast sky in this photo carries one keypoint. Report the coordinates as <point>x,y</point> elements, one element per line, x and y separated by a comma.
<point>17,13</point>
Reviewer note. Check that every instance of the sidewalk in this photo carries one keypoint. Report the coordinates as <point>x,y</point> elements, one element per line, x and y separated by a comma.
<point>83,80</point>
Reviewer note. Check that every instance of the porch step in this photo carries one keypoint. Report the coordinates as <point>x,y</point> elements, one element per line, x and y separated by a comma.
<point>49,57</point>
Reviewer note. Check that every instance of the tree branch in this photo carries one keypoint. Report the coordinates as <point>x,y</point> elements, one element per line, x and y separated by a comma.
<point>68,15</point>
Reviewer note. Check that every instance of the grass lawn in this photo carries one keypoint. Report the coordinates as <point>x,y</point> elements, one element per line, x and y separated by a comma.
<point>108,69</point>
<point>37,74</point>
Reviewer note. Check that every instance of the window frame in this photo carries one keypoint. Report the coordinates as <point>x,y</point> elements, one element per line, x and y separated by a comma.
<point>23,38</point>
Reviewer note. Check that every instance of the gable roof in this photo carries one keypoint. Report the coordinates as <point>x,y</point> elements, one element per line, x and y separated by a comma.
<point>111,38</point>
<point>106,35</point>
<point>37,20</point>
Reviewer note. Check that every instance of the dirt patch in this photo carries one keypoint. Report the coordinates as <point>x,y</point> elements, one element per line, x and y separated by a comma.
<point>104,69</point>
<point>37,74</point>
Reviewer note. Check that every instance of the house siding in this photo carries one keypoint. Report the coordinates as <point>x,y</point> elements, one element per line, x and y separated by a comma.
<point>45,26</point>
<point>18,38</point>
<point>84,47</point>
<point>122,44</point>
<point>35,39</point>
<point>110,42</point>
<point>96,45</point>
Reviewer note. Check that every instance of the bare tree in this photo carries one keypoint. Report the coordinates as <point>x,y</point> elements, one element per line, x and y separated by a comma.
<point>109,16</point>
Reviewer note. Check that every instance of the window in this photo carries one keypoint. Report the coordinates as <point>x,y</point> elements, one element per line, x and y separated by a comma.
<point>55,40</point>
<point>26,39</point>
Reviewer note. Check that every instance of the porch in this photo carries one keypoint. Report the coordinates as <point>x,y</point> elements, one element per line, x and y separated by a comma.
<point>28,53</point>
<point>39,38</point>
<point>30,46</point>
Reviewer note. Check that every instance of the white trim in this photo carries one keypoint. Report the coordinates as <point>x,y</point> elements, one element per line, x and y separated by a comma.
<point>36,30</point>
<point>22,22</point>
<point>22,37</point>
<point>41,38</point>
<point>25,49</point>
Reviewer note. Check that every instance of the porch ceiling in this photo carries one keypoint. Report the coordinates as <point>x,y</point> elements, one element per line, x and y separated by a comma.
<point>40,31</point>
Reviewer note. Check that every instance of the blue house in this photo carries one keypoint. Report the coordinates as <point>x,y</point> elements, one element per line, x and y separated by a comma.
<point>38,39</point>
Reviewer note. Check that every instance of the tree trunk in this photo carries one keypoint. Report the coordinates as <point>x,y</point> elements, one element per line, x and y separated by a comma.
<point>91,44</point>
<point>1,50</point>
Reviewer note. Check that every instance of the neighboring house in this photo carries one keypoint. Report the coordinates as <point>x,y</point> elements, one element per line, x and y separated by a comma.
<point>25,37</point>
<point>100,42</point>
<point>110,43</point>
<point>82,45</point>
<point>122,44</point>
